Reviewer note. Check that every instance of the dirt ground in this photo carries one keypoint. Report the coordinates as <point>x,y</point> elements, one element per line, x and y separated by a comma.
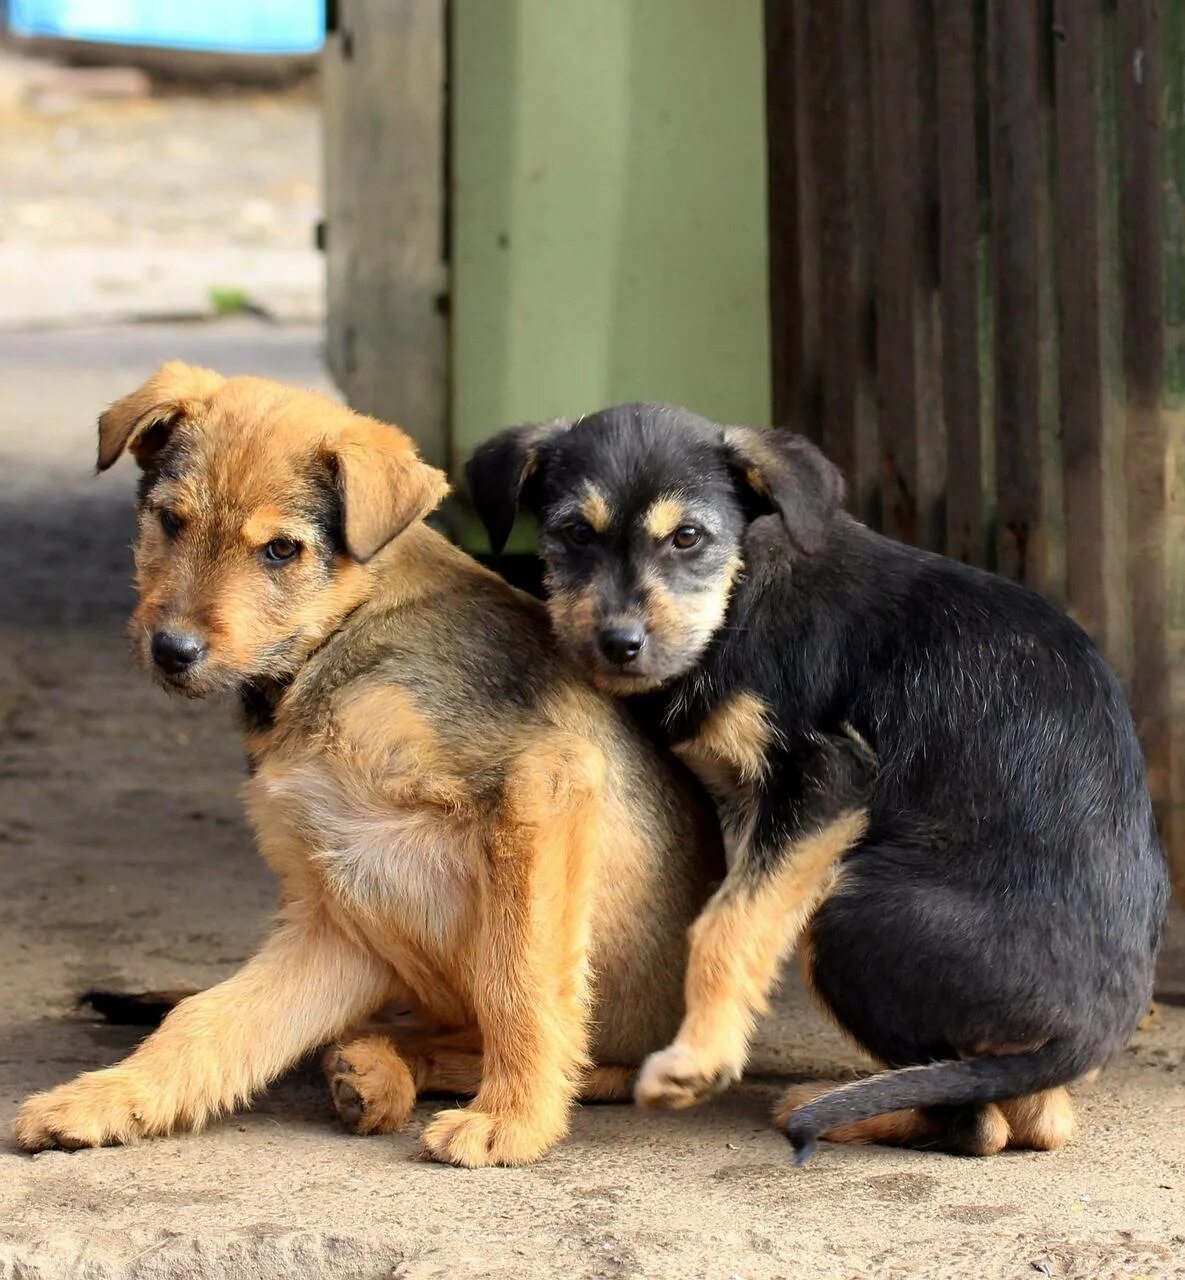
<point>124,862</point>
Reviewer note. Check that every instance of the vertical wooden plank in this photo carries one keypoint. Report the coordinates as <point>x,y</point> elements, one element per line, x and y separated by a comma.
<point>866,494</point>
<point>793,287</point>
<point>1141,89</point>
<point>385,155</point>
<point>894,33</point>
<point>1016,172</point>
<point>1093,594</point>
<point>959,279</point>
<point>837,110</point>
<point>1173,46</point>
<point>932,450</point>
<point>785,282</point>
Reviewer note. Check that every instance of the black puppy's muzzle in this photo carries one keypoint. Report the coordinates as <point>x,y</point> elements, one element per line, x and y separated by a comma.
<point>176,653</point>
<point>621,643</point>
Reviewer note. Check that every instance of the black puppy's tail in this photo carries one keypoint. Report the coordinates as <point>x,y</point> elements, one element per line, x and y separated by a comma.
<point>957,1082</point>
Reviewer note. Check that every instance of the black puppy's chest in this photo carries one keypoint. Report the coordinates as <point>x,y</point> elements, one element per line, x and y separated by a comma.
<point>726,743</point>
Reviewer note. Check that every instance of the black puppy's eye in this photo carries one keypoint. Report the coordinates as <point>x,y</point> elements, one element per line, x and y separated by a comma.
<point>170,522</point>
<point>580,533</point>
<point>687,536</point>
<point>281,550</point>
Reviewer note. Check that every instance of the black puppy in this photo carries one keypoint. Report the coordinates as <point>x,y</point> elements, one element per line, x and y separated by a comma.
<point>926,775</point>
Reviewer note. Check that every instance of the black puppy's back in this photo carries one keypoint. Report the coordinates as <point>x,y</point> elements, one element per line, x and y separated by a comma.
<point>1010,890</point>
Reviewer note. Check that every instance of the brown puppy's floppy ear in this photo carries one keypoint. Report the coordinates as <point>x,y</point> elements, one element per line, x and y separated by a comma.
<point>142,421</point>
<point>500,472</point>
<point>785,474</point>
<point>384,484</point>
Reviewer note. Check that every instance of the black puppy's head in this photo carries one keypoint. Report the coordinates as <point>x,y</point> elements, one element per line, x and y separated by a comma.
<point>642,516</point>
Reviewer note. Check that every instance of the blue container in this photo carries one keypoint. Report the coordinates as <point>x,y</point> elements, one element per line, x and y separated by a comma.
<point>276,27</point>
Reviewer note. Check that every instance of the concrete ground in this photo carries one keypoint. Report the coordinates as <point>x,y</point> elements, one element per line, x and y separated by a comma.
<point>124,862</point>
<point>118,202</point>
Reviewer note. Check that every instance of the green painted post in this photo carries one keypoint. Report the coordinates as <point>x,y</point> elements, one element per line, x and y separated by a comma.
<point>608,210</point>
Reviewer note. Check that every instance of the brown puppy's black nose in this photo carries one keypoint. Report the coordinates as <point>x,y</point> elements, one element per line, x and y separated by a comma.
<point>621,644</point>
<point>176,651</point>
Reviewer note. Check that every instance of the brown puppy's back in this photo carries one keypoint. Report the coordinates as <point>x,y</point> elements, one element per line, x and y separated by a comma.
<point>472,660</point>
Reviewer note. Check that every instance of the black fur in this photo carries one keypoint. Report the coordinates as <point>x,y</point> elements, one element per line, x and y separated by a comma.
<point>1010,889</point>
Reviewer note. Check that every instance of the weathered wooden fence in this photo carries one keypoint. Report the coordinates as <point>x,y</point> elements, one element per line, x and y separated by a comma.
<point>977,215</point>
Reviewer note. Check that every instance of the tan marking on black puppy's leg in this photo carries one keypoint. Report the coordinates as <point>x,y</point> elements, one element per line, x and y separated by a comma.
<point>737,946</point>
<point>966,1131</point>
<point>373,1088</point>
<point>1041,1121</point>
<point>531,989</point>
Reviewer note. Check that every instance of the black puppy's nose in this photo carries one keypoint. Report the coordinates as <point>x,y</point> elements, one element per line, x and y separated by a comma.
<point>622,644</point>
<point>176,651</point>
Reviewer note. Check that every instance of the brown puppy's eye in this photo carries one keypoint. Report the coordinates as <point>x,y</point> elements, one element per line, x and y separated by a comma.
<point>687,536</point>
<point>580,533</point>
<point>281,550</point>
<point>169,522</point>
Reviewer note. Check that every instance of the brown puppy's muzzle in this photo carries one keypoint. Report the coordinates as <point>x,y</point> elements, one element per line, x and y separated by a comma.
<point>176,653</point>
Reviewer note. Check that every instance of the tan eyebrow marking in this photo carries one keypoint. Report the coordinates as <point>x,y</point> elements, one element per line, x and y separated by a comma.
<point>664,516</point>
<point>595,509</point>
<point>267,523</point>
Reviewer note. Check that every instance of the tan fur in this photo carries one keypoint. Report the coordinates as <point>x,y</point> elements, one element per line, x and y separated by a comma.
<point>735,737</point>
<point>375,1077</point>
<point>478,859</point>
<point>664,516</point>
<point>894,1128</point>
<point>595,510</point>
<point>176,390</point>
<point>1039,1122</point>
<point>737,946</point>
<point>688,621</point>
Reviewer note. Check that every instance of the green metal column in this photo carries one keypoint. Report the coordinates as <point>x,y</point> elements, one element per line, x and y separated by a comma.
<point>608,209</point>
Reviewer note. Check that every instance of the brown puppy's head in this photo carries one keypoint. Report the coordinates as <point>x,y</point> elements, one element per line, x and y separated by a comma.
<point>643,511</point>
<point>260,509</point>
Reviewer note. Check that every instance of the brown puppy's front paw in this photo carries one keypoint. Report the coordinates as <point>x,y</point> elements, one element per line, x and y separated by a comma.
<point>677,1077</point>
<point>476,1139</point>
<point>372,1087</point>
<point>102,1108</point>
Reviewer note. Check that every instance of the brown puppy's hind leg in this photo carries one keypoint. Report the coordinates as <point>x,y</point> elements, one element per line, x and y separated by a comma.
<point>373,1088</point>
<point>374,1081</point>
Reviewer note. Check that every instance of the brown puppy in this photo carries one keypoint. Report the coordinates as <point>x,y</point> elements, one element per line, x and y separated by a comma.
<point>456,822</point>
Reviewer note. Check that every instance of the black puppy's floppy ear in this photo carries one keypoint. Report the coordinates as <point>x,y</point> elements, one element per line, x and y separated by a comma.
<point>785,474</point>
<point>499,475</point>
